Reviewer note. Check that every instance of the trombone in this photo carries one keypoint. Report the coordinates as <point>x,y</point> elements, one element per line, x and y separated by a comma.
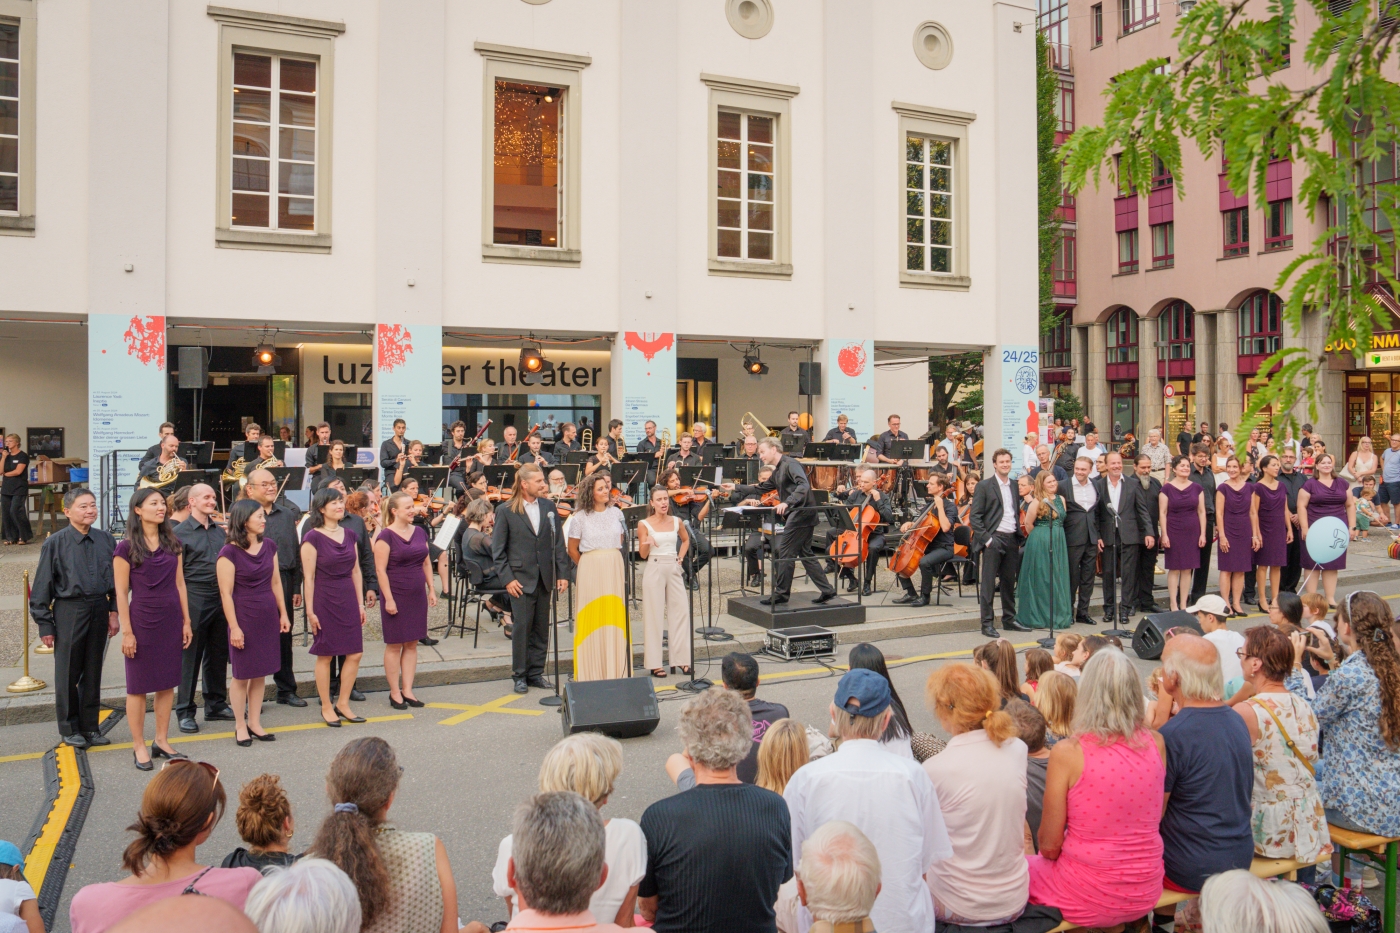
<point>749,418</point>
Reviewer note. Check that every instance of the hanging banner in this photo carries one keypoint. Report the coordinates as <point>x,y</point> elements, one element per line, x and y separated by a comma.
<point>1017,372</point>
<point>408,380</point>
<point>850,388</point>
<point>126,394</point>
<point>648,383</point>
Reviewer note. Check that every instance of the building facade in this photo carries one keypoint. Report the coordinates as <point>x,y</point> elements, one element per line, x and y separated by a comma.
<point>1167,300</point>
<point>850,185</point>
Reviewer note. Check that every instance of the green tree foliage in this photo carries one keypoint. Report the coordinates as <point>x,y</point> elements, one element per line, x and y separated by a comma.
<point>949,375</point>
<point>1068,406</point>
<point>1047,93</point>
<point>1225,91</point>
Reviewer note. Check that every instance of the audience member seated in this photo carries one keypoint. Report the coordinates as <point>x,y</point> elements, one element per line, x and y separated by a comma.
<point>403,879</point>
<point>887,797</point>
<point>588,764</point>
<point>1234,901</point>
<point>1358,709</point>
<point>1211,611</point>
<point>264,821</point>
<point>309,896</point>
<point>717,853</point>
<point>1030,728</point>
<point>1055,697</point>
<point>1287,609</point>
<point>185,913</point>
<point>179,810</point>
<point>898,738</point>
<point>838,878</point>
<point>999,657</point>
<point>784,749</point>
<point>17,898</point>
<point>557,864</point>
<point>1286,811</point>
<point>1210,775</point>
<point>1038,661</point>
<point>980,779</point>
<point>740,674</point>
<point>1100,858</point>
<point>1066,644</point>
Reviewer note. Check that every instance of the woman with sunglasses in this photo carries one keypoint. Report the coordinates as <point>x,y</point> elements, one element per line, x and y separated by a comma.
<point>154,615</point>
<point>179,810</point>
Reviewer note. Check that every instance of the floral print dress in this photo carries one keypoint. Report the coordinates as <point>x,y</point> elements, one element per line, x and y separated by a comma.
<point>1288,819</point>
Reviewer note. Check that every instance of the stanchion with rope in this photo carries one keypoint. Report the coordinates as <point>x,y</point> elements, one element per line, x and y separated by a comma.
<point>26,684</point>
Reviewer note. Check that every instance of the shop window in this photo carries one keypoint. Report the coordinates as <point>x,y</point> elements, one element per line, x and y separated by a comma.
<point>1123,336</point>
<point>1127,251</point>
<point>1124,397</point>
<point>1176,332</point>
<point>1062,268</point>
<point>1163,245</point>
<point>1261,324</point>
<point>1236,226</point>
<point>1137,14</point>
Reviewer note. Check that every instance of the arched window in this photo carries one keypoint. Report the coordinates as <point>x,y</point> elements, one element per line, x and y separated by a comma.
<point>1261,324</point>
<point>1123,336</point>
<point>1176,332</point>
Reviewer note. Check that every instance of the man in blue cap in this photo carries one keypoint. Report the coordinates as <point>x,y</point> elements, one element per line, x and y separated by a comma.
<point>885,795</point>
<point>19,908</point>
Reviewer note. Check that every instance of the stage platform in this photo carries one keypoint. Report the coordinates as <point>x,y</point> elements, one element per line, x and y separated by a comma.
<point>800,610</point>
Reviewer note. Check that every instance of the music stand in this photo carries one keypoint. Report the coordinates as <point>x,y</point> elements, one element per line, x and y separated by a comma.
<point>192,477</point>
<point>745,520</point>
<point>429,477</point>
<point>690,475</point>
<point>845,452</point>
<point>788,442</point>
<point>578,456</point>
<point>430,452</point>
<point>352,454</point>
<point>905,450</point>
<point>627,475</point>
<point>740,470</point>
<point>198,453</point>
<point>354,477</point>
<point>571,472</point>
<point>819,450</point>
<point>294,477</point>
<point>712,453</point>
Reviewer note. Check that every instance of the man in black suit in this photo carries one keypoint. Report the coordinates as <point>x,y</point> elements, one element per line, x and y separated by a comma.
<point>1082,536</point>
<point>1202,476</point>
<point>1292,480</point>
<point>795,543</point>
<point>527,549</point>
<point>996,535</point>
<point>1147,559</point>
<point>1125,527</point>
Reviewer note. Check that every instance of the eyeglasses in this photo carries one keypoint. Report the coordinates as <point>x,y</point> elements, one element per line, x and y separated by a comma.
<point>1240,653</point>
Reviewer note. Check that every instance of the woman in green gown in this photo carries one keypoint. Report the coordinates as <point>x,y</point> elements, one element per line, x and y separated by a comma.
<point>1042,592</point>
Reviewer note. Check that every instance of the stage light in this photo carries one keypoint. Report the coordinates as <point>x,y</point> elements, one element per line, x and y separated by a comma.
<point>755,366</point>
<point>266,359</point>
<point>532,361</point>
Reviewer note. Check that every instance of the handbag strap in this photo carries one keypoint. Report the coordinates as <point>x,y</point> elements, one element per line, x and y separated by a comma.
<point>190,888</point>
<point>1287,739</point>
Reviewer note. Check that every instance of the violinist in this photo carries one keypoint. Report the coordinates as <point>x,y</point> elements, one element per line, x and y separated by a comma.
<point>201,539</point>
<point>476,488</point>
<point>842,433</point>
<point>412,457</point>
<point>865,493</point>
<point>794,492</point>
<point>474,550</point>
<point>558,485</point>
<point>692,514</point>
<point>941,511</point>
<point>758,543</point>
<point>686,456</point>
<point>457,453</point>
<point>391,452</point>
<point>534,454</point>
<point>602,458</point>
<point>510,447</point>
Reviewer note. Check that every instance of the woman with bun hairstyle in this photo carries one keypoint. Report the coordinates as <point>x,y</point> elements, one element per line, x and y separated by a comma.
<point>981,782</point>
<point>179,810</point>
<point>264,821</point>
<point>332,583</point>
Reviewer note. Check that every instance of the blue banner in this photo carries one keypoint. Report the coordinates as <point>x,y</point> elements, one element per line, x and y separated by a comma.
<point>850,388</point>
<point>1017,369</point>
<point>408,380</point>
<point>648,383</point>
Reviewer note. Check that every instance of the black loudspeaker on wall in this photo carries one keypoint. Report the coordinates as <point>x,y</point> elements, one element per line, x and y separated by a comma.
<point>624,708</point>
<point>809,378</point>
<point>1154,630</point>
<point>194,371</point>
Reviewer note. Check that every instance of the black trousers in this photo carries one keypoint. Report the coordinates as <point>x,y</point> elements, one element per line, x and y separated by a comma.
<point>755,547</point>
<point>1001,562</point>
<point>1146,577</point>
<point>700,550</point>
<point>930,568</point>
<point>794,544</point>
<point>285,678</point>
<point>1293,570</point>
<point>1083,560</point>
<point>80,641</point>
<point>14,517</point>
<point>207,654</point>
<point>1200,579</point>
<point>529,642</point>
<point>1120,595</point>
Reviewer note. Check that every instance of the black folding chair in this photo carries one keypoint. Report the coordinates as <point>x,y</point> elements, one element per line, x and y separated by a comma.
<point>962,534</point>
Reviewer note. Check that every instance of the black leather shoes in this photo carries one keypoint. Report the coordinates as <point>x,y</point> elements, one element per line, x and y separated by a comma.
<point>396,704</point>
<point>772,600</point>
<point>989,632</point>
<point>158,752</point>
<point>225,715</point>
<point>755,581</point>
<point>539,683</point>
<point>1107,621</point>
<point>867,590</point>
<point>97,738</point>
<point>356,695</point>
<point>823,598</point>
<point>345,718</point>
<point>147,765</point>
<point>520,686</point>
<point>189,725</point>
<point>291,699</point>
<point>1083,620</point>
<point>76,740</point>
<point>919,602</point>
<point>1011,625</point>
<point>428,641</point>
<point>904,599</point>
<point>850,581</point>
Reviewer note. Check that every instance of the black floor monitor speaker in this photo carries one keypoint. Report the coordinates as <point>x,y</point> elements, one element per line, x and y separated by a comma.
<point>1154,630</point>
<point>623,708</point>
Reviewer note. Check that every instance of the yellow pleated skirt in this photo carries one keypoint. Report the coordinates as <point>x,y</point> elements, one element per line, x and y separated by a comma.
<point>601,650</point>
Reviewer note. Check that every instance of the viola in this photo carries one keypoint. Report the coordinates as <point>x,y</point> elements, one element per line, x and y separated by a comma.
<point>905,559</point>
<point>851,548</point>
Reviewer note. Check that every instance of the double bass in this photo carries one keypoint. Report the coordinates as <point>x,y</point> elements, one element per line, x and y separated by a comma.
<point>846,550</point>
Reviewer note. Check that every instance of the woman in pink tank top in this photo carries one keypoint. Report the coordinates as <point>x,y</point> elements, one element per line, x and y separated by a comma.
<point>1100,860</point>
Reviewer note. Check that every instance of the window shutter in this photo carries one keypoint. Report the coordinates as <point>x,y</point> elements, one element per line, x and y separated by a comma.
<point>1159,205</point>
<point>1278,180</point>
<point>1125,213</point>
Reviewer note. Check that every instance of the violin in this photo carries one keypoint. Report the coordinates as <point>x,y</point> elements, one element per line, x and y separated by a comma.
<point>685,495</point>
<point>429,503</point>
<point>617,499</point>
<point>769,498</point>
<point>846,550</point>
<point>905,559</point>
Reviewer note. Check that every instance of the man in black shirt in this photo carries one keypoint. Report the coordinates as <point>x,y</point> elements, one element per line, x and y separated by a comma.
<point>717,853</point>
<point>509,446</point>
<point>533,452</point>
<point>749,450</point>
<point>1147,557</point>
<point>389,451</point>
<point>74,603</point>
<point>842,433</point>
<point>698,435</point>
<point>14,492</point>
<point>1292,480</point>
<point>740,673</point>
<point>794,430</point>
<point>567,443</point>
<point>154,450</point>
<point>797,506</point>
<point>857,498</point>
<point>686,456</point>
<point>888,437</point>
<point>201,540</point>
<point>615,442</point>
<point>1202,476</point>
<point>282,518</point>
<point>651,444</point>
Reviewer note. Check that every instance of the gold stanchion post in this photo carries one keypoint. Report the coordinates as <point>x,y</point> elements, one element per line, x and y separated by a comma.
<point>40,648</point>
<point>26,684</point>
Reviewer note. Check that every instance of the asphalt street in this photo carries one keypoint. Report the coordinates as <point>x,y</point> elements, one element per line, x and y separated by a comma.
<point>467,763</point>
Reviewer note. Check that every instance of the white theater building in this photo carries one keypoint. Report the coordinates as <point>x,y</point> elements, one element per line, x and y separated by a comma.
<point>648,188</point>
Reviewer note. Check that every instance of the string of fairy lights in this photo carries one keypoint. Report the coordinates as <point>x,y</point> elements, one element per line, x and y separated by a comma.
<point>527,126</point>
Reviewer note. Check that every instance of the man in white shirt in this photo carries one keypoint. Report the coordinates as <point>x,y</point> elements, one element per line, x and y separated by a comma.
<point>1093,450</point>
<point>949,443</point>
<point>888,798</point>
<point>1160,453</point>
<point>1029,458</point>
<point>1211,612</point>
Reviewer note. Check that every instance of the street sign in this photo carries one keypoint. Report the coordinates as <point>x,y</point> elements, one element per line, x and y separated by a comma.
<point>1169,391</point>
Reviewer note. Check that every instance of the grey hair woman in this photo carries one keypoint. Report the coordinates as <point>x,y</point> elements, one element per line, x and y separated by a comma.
<point>309,896</point>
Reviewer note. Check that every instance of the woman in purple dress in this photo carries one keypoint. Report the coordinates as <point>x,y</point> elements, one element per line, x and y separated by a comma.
<point>1272,525</point>
<point>1234,500</point>
<point>405,571</point>
<point>1182,518</point>
<point>250,588</point>
<point>1322,496</point>
<point>155,619</point>
<point>332,584</point>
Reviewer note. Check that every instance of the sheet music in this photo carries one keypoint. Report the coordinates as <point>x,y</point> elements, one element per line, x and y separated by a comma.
<point>447,531</point>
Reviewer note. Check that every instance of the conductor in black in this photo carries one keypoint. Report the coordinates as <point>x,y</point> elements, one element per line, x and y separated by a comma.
<point>528,551</point>
<point>797,505</point>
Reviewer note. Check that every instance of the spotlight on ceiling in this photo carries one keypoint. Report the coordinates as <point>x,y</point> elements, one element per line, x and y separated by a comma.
<point>550,94</point>
<point>755,366</point>
<point>266,359</point>
<point>532,361</point>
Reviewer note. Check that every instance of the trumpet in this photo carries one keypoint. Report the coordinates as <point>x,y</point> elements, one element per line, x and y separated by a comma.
<point>164,476</point>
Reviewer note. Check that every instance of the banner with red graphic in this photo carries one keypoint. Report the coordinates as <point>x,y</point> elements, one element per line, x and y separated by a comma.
<point>126,386</point>
<point>850,386</point>
<point>408,380</point>
<point>648,383</point>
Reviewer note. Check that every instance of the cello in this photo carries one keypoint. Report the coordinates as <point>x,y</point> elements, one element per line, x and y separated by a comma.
<point>905,559</point>
<point>846,550</point>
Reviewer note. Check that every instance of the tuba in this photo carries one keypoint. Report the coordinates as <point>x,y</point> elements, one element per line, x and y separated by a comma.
<point>164,476</point>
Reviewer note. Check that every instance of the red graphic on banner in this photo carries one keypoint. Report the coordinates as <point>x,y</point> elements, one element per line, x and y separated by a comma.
<point>394,346</point>
<point>145,339</point>
<point>1033,419</point>
<point>851,359</point>
<point>649,343</point>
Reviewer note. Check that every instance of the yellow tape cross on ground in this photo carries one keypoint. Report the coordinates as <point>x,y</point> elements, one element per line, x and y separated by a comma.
<point>472,710</point>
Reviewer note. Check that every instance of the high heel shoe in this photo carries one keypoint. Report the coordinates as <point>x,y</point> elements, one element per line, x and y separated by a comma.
<point>397,704</point>
<point>413,701</point>
<point>158,752</point>
<point>242,743</point>
<point>262,737</point>
<point>147,765</point>
<point>347,718</point>
<point>333,725</point>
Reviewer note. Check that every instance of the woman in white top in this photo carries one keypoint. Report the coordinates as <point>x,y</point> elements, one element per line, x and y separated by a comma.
<point>1220,458</point>
<point>1362,463</point>
<point>588,764</point>
<point>602,648</point>
<point>662,542</point>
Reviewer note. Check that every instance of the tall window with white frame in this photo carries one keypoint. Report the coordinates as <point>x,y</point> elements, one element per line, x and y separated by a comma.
<point>928,205</point>
<point>528,194</point>
<point>274,137</point>
<point>745,186</point>
<point>9,117</point>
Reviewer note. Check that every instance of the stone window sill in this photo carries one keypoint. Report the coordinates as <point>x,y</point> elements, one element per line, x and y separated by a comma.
<point>225,238</point>
<point>949,283</point>
<point>14,225</point>
<point>532,255</point>
<point>751,270</point>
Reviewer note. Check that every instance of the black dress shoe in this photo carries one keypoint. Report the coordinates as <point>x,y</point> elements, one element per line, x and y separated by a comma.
<point>397,704</point>
<point>695,584</point>
<point>539,683</point>
<point>291,699</point>
<point>189,725</point>
<point>905,599</point>
<point>263,737</point>
<point>772,600</point>
<point>1083,620</point>
<point>147,765</point>
<point>242,743</point>
<point>1011,625</point>
<point>1107,621</point>
<point>850,581</point>
<point>158,752</point>
<point>823,598</point>
<point>346,717</point>
<point>919,602</point>
<point>333,725</point>
<point>427,641</point>
<point>356,695</point>
<point>755,581</point>
<point>520,686</point>
<point>97,738</point>
<point>76,740</point>
<point>989,632</point>
<point>414,702</point>
<point>224,715</point>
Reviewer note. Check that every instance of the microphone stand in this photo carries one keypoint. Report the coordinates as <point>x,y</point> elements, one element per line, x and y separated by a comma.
<point>556,699</point>
<point>1118,573</point>
<point>695,684</point>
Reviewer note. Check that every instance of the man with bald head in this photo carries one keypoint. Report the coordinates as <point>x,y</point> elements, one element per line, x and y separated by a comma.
<point>183,913</point>
<point>1210,771</point>
<point>282,519</point>
<point>201,540</point>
